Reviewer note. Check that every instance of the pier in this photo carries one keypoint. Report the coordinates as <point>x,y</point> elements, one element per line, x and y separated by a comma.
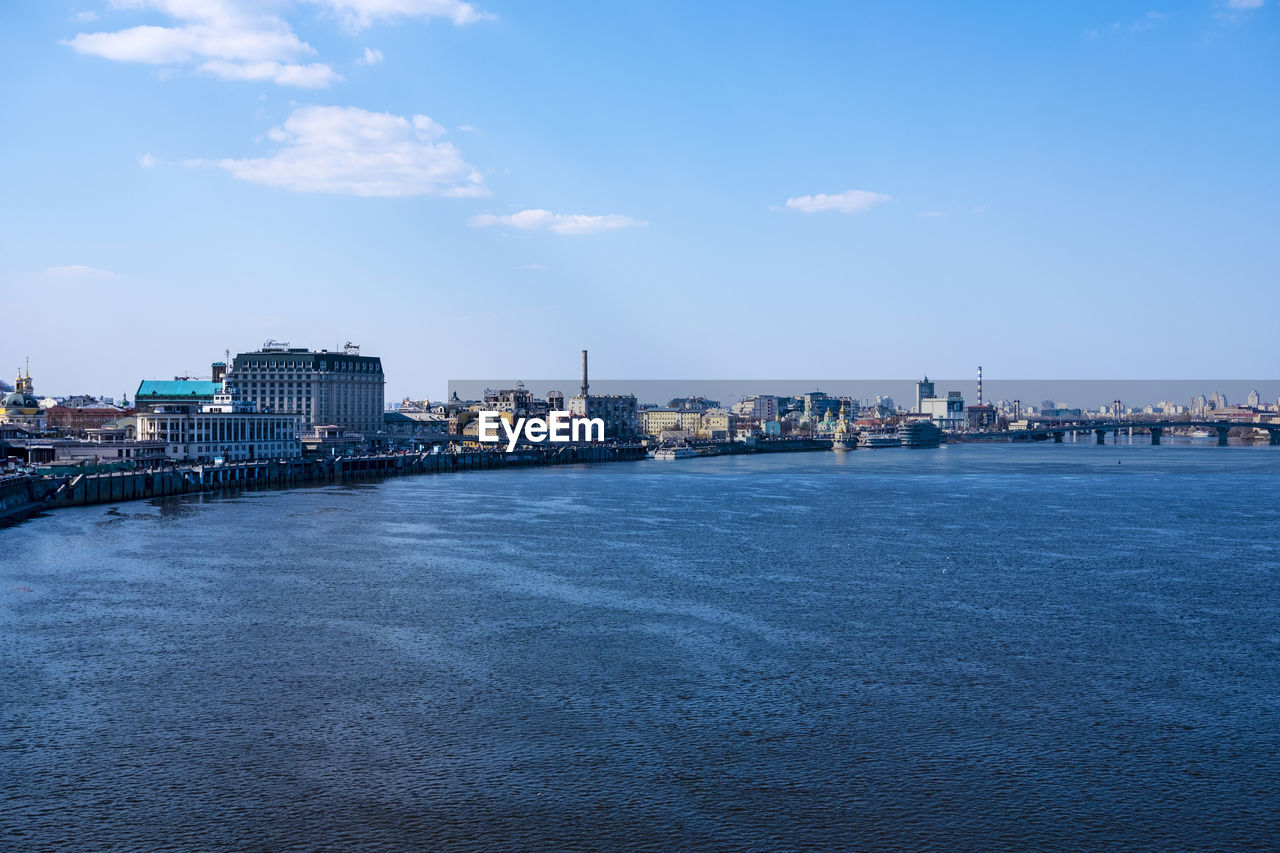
<point>53,492</point>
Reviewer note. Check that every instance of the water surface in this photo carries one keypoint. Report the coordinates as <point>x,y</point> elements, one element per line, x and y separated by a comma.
<point>977,647</point>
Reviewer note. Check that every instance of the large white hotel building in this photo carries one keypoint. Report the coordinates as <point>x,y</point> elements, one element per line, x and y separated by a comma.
<point>340,388</point>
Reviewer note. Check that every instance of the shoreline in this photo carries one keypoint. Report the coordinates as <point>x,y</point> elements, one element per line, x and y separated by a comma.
<point>22,497</point>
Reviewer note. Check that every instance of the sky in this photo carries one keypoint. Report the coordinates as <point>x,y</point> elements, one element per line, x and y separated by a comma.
<point>731,190</point>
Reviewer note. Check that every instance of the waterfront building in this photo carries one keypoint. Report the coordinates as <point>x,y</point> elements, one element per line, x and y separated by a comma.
<point>981,417</point>
<point>620,412</point>
<point>340,388</point>
<point>946,412</point>
<point>170,392</point>
<point>518,401</point>
<point>228,427</point>
<point>717,425</point>
<point>924,391</point>
<point>658,421</point>
<point>415,426</point>
<point>20,407</point>
<point>69,418</point>
<point>100,445</point>
<point>760,408</point>
<point>330,440</point>
<point>1237,414</point>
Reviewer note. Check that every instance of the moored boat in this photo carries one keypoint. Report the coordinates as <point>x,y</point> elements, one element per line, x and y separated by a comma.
<point>877,440</point>
<point>920,434</point>
<point>666,454</point>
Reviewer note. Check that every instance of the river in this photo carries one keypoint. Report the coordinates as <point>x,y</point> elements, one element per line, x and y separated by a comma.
<point>974,647</point>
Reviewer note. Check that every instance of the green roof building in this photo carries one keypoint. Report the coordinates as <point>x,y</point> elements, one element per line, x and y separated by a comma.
<point>162,392</point>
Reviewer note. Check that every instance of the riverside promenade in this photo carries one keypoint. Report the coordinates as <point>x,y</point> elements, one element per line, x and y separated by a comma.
<point>54,492</point>
<point>27,495</point>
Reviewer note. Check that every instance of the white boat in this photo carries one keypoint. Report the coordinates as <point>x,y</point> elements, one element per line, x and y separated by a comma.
<point>666,454</point>
<point>875,440</point>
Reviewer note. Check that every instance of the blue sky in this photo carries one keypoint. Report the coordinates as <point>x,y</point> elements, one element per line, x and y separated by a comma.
<point>688,189</point>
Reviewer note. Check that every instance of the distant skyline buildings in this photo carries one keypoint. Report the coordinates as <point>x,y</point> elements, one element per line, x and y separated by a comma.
<point>952,183</point>
<point>284,388</point>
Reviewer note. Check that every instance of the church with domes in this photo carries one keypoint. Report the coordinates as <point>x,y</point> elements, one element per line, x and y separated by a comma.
<point>21,408</point>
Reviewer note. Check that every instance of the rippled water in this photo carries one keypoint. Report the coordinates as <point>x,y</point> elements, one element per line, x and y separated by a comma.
<point>983,648</point>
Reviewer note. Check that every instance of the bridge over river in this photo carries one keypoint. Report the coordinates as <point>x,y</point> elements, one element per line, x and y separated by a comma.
<point>1156,428</point>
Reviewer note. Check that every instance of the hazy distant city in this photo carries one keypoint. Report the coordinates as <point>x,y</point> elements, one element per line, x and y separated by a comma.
<point>282,401</point>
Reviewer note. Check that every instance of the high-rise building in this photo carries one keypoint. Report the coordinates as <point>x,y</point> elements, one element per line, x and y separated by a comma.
<point>340,388</point>
<point>924,391</point>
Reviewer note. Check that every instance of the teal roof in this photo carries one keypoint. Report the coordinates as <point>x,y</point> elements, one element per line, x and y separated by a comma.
<point>176,388</point>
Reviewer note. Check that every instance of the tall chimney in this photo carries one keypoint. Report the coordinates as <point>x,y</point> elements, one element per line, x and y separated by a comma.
<point>979,384</point>
<point>584,373</point>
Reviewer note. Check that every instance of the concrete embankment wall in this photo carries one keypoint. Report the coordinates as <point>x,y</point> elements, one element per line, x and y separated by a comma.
<point>188,479</point>
<point>789,445</point>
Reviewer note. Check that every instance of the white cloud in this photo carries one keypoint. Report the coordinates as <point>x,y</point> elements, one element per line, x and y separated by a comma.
<point>372,56</point>
<point>352,151</point>
<point>146,161</point>
<point>979,210</point>
<point>249,39</point>
<point>230,39</point>
<point>466,128</point>
<point>315,75</point>
<point>1237,11</point>
<point>77,271</point>
<point>560,223</point>
<point>359,14</point>
<point>85,17</point>
<point>850,201</point>
<point>1147,21</point>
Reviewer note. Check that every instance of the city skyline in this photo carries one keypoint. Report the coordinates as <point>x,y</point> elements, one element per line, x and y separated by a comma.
<point>1030,392</point>
<point>531,181</point>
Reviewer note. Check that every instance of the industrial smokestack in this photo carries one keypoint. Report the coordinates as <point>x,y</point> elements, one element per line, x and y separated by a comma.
<point>584,373</point>
<point>979,384</point>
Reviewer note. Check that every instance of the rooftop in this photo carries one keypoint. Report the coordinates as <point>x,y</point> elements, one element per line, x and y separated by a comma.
<point>177,388</point>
